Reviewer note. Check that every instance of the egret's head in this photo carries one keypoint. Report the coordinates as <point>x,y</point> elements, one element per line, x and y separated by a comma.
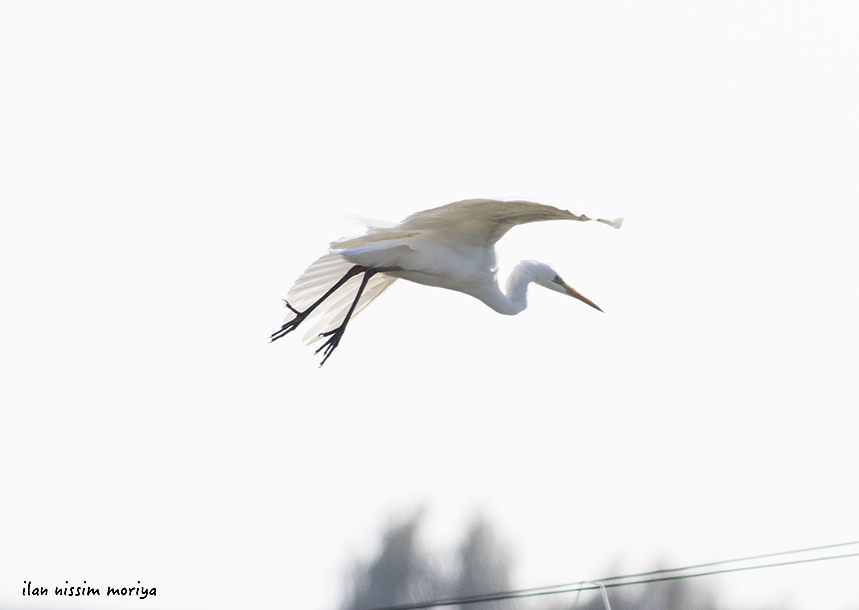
<point>548,278</point>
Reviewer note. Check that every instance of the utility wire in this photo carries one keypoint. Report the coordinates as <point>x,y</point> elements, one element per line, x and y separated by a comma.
<point>692,567</point>
<point>628,579</point>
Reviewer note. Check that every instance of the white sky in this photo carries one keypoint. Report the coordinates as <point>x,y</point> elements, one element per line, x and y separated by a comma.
<point>168,169</point>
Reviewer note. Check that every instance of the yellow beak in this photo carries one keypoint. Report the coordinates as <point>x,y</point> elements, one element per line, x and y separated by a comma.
<point>574,293</point>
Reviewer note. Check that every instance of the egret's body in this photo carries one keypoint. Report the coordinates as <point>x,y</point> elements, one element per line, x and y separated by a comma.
<point>452,246</point>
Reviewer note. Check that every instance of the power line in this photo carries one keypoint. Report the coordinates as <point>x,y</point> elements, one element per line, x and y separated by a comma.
<point>629,579</point>
<point>694,567</point>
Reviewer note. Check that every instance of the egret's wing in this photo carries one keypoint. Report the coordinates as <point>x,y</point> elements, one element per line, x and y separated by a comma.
<point>381,247</point>
<point>482,222</point>
<point>315,282</point>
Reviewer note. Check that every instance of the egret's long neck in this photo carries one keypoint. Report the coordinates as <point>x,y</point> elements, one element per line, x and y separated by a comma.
<point>516,299</point>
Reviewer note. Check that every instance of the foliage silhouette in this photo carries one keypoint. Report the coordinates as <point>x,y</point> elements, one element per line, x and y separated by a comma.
<point>403,572</point>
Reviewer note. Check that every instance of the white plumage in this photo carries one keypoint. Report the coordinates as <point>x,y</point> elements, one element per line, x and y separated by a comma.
<point>452,246</point>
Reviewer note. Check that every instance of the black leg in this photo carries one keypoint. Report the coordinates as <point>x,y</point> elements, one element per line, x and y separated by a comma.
<point>336,334</point>
<point>291,325</point>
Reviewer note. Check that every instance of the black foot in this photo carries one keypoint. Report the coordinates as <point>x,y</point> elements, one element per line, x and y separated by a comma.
<point>291,325</point>
<point>332,342</point>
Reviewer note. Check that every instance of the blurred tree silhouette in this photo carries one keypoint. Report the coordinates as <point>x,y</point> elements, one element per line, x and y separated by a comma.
<point>404,573</point>
<point>483,566</point>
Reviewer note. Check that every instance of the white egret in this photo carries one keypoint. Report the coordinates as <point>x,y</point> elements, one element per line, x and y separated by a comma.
<point>452,246</point>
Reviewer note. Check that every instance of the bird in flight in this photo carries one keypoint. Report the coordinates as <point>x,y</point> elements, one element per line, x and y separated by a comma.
<point>452,246</point>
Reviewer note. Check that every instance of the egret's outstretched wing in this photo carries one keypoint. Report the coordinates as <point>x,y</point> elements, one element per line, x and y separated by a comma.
<point>482,222</point>
<point>315,282</point>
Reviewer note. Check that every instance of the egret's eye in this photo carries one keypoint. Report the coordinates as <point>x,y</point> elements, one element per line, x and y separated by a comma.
<point>558,280</point>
